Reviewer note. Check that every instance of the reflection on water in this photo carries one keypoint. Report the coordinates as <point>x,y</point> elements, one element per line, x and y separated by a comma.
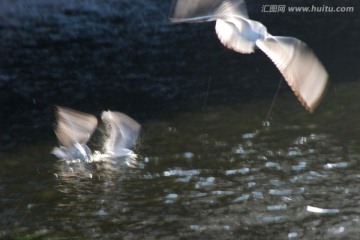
<point>221,170</point>
<point>202,174</point>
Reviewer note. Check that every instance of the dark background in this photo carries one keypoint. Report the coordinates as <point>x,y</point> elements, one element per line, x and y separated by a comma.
<point>124,55</point>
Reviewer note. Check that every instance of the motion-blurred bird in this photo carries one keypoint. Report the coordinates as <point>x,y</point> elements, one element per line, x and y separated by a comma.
<point>297,63</point>
<point>74,129</point>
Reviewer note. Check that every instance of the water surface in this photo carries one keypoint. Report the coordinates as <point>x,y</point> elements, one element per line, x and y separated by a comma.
<point>205,173</point>
<point>216,159</point>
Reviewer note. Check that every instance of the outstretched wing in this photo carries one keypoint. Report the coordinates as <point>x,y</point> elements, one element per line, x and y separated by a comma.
<point>122,132</point>
<point>233,27</point>
<point>206,10</point>
<point>300,67</point>
<point>73,126</point>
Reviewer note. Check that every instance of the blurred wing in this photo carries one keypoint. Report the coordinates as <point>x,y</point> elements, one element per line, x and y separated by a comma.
<point>73,126</point>
<point>240,34</point>
<point>122,130</point>
<point>300,67</point>
<point>206,10</point>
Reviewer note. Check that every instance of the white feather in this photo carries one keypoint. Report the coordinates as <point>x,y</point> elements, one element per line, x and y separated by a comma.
<point>73,129</point>
<point>299,66</point>
<point>73,126</point>
<point>206,10</point>
<point>122,133</point>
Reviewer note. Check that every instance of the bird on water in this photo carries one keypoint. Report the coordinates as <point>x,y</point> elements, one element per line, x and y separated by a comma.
<point>73,130</point>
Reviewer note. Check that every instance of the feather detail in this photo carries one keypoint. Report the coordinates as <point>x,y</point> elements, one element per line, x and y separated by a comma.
<point>300,67</point>
<point>73,126</point>
<point>122,132</point>
<point>206,10</point>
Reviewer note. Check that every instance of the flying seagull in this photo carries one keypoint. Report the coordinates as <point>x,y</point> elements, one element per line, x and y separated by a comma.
<point>73,130</point>
<point>297,63</point>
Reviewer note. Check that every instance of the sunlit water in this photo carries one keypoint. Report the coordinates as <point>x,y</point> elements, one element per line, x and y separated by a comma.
<point>211,164</point>
<point>215,172</point>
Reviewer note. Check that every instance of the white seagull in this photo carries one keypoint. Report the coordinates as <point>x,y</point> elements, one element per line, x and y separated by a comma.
<point>295,60</point>
<point>73,130</point>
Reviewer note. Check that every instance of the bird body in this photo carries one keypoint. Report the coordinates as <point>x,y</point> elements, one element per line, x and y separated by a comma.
<point>74,129</point>
<point>295,60</point>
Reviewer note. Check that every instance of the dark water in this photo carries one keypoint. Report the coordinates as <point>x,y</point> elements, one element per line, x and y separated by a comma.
<point>216,173</point>
<point>215,160</point>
